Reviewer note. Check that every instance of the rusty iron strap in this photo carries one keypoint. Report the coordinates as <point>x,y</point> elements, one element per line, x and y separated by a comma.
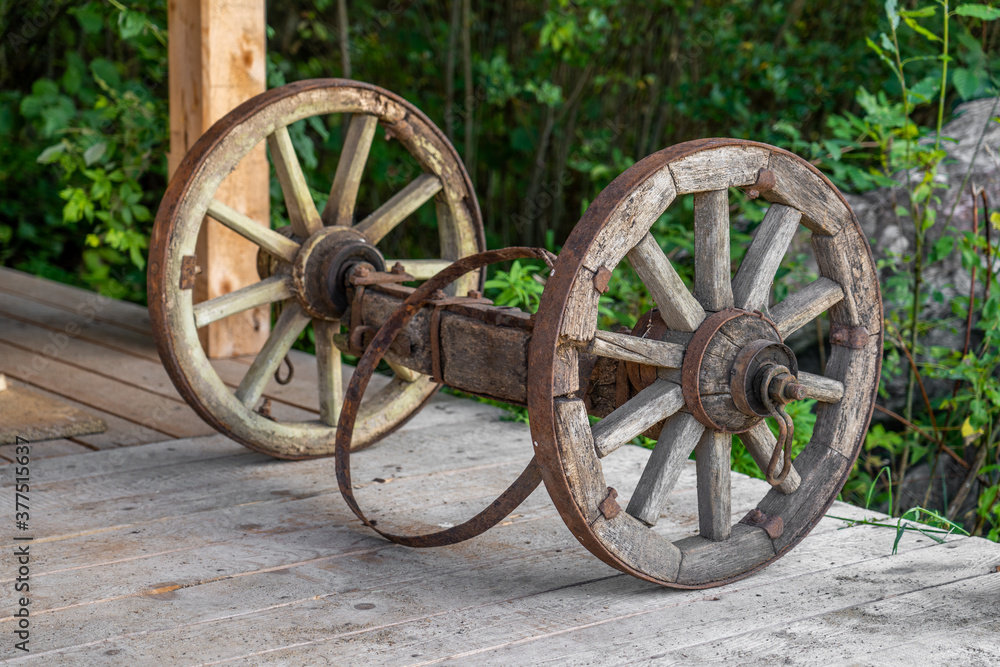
<point>506,502</point>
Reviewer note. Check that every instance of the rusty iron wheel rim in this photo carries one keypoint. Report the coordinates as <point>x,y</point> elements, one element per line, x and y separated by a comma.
<point>555,309</point>
<point>526,482</point>
<point>172,238</point>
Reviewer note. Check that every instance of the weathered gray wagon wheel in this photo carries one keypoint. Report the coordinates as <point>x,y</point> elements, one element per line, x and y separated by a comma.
<point>714,361</point>
<point>302,267</point>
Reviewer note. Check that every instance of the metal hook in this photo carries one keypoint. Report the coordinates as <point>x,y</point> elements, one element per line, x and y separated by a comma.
<point>786,429</point>
<point>291,372</point>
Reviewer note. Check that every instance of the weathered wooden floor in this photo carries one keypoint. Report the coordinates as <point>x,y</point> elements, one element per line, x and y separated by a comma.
<point>187,549</point>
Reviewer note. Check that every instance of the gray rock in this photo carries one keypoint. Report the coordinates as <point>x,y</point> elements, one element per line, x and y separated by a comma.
<point>892,236</point>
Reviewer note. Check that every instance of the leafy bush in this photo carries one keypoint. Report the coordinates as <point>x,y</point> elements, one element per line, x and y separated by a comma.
<point>83,170</point>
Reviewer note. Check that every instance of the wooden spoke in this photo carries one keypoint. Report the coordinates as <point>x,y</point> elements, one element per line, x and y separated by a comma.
<point>331,389</point>
<point>639,350</point>
<point>806,305</point>
<point>401,205</point>
<point>678,439</point>
<point>275,288</point>
<point>403,373</point>
<point>823,389</point>
<point>301,207</point>
<point>712,264</point>
<point>290,324</point>
<point>678,308</point>
<point>421,269</point>
<point>654,403</point>
<point>712,459</point>
<point>752,284</point>
<point>339,208</point>
<point>760,442</point>
<point>250,229</point>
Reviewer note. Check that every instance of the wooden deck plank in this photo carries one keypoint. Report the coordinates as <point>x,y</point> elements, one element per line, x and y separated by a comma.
<point>66,331</point>
<point>44,449</point>
<point>843,634</point>
<point>69,326</point>
<point>295,562</point>
<point>138,372</point>
<point>120,431</point>
<point>525,602</point>
<point>722,625</point>
<point>113,311</point>
<point>138,405</point>
<point>79,323</point>
<point>137,535</point>
<point>949,633</point>
<point>298,547</point>
<point>282,513</point>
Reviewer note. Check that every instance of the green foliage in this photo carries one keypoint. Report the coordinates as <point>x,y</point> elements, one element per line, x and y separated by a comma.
<point>82,165</point>
<point>919,519</point>
<point>520,287</point>
<point>888,146</point>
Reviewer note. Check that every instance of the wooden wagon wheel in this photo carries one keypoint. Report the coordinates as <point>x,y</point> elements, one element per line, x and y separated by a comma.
<point>300,264</point>
<point>708,357</point>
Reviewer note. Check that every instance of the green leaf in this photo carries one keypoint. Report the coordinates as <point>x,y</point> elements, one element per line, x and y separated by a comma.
<point>105,71</point>
<point>141,213</point>
<point>990,308</point>
<point>131,24</point>
<point>942,248</point>
<point>984,12</point>
<point>966,82</point>
<point>89,16</point>
<point>916,13</point>
<point>95,152</point>
<point>52,153</point>
<point>72,78</point>
<point>890,11</point>
<point>881,54</point>
<point>921,29</point>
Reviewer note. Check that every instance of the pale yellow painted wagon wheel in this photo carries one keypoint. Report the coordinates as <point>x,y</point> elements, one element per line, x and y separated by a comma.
<point>708,347</point>
<point>296,263</point>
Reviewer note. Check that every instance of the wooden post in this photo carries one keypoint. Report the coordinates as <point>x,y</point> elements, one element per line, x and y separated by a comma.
<point>216,56</point>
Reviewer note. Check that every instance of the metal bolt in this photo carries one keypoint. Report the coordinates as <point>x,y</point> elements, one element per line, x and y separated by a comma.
<point>794,391</point>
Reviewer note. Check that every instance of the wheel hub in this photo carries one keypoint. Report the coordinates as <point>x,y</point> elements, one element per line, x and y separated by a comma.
<point>321,267</point>
<point>736,371</point>
<point>762,369</point>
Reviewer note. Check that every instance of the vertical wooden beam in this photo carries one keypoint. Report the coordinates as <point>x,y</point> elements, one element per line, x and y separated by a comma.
<point>216,62</point>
